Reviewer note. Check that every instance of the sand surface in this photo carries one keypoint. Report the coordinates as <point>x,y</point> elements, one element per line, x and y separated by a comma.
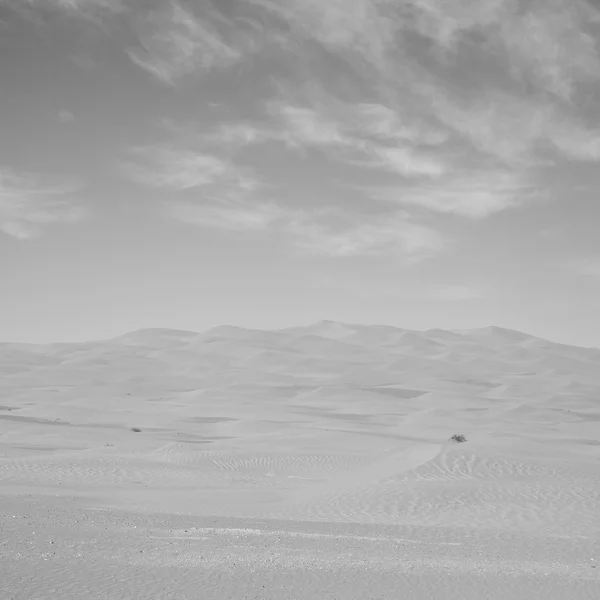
<point>302,463</point>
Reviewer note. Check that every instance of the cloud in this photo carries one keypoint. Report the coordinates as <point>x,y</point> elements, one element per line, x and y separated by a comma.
<point>238,135</point>
<point>454,106</point>
<point>174,168</point>
<point>585,267</point>
<point>65,116</point>
<point>514,130</point>
<point>305,127</point>
<point>227,215</point>
<point>549,43</point>
<point>394,235</point>
<point>310,233</point>
<point>394,124</point>
<point>174,42</point>
<point>471,194</point>
<point>373,144</point>
<point>365,28</point>
<point>547,46</point>
<point>214,192</point>
<point>83,6</point>
<point>31,10</point>
<point>360,145</point>
<point>552,45</point>
<point>27,206</point>
<point>529,63</point>
<point>403,161</point>
<point>501,76</point>
<point>574,140</point>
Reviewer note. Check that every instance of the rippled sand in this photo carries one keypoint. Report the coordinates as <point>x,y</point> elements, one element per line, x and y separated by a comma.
<point>300,464</point>
<point>54,548</point>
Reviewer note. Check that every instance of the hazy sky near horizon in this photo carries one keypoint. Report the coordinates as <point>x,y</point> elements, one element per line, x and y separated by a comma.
<point>266,163</point>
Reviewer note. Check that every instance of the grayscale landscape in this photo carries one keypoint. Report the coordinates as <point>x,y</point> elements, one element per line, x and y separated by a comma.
<point>307,463</point>
<point>188,188</point>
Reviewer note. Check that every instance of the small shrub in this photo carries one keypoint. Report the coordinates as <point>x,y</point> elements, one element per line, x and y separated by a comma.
<point>136,429</point>
<point>459,438</point>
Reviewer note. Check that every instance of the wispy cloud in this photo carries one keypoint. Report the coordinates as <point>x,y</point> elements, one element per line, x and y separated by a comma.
<point>549,44</point>
<point>175,168</point>
<point>471,194</point>
<point>27,206</point>
<point>394,124</point>
<point>311,231</point>
<point>82,6</point>
<point>552,44</point>
<point>239,135</point>
<point>360,144</point>
<point>227,215</point>
<point>533,64</point>
<point>85,9</point>
<point>403,161</point>
<point>365,28</point>
<point>458,106</point>
<point>370,145</point>
<point>425,180</point>
<point>65,116</point>
<point>218,194</point>
<point>302,126</point>
<point>393,234</point>
<point>174,42</point>
<point>574,140</point>
<point>501,76</point>
<point>585,267</point>
<point>214,191</point>
<point>515,130</point>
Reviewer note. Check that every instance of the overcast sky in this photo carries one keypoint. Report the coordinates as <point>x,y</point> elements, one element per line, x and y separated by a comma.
<point>265,163</point>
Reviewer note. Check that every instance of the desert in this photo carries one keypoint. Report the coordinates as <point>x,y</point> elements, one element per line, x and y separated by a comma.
<point>309,462</point>
<point>299,300</point>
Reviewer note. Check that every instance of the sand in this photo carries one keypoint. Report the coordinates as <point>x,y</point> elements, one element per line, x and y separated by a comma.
<point>311,462</point>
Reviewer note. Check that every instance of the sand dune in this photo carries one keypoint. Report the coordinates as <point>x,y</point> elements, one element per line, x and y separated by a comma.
<point>332,433</point>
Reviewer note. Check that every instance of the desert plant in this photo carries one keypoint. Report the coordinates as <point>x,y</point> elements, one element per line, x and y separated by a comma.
<point>459,438</point>
<point>136,429</point>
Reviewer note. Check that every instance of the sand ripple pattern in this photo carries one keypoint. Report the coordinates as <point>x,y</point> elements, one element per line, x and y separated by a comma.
<point>73,554</point>
<point>174,466</point>
<point>97,471</point>
<point>467,491</point>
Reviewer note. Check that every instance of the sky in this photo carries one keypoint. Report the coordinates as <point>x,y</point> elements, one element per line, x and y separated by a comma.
<point>270,163</point>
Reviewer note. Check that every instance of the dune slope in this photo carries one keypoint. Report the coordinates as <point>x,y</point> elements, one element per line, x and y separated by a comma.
<point>332,440</point>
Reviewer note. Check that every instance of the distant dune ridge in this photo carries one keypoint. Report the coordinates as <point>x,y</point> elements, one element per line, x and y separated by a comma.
<point>329,423</point>
<point>325,353</point>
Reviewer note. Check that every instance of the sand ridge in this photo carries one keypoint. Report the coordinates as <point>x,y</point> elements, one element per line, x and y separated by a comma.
<point>331,425</point>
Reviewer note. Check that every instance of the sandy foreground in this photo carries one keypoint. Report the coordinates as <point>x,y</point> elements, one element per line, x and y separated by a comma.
<point>309,463</point>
